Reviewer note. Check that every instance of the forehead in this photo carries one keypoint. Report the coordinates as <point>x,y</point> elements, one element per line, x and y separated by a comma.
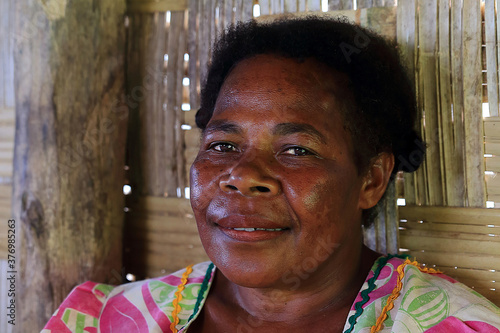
<point>307,90</point>
<point>273,74</point>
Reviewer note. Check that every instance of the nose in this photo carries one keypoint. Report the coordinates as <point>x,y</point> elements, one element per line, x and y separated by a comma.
<point>251,179</point>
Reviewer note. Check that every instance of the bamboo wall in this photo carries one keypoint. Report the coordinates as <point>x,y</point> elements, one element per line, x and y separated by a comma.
<point>462,242</point>
<point>452,49</point>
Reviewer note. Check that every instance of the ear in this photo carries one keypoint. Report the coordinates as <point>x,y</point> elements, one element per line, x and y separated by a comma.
<point>376,179</point>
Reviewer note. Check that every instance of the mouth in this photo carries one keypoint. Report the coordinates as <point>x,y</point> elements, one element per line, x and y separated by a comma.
<point>252,234</point>
<point>256,229</point>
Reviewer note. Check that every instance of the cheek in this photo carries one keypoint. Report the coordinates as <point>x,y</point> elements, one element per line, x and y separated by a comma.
<point>333,196</point>
<point>203,179</point>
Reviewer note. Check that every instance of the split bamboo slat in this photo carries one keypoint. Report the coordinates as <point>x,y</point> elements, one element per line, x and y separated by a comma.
<point>340,5</point>
<point>176,47</point>
<point>474,150</point>
<point>450,167</point>
<point>162,236</point>
<point>492,163</point>
<point>428,99</point>
<point>406,30</point>
<point>391,220</point>
<point>290,6</point>
<point>265,7</point>
<point>156,6</point>
<point>462,242</point>
<point>457,99</point>
<point>491,56</point>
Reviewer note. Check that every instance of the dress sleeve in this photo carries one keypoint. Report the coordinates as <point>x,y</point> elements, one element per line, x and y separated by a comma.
<point>453,325</point>
<point>80,311</point>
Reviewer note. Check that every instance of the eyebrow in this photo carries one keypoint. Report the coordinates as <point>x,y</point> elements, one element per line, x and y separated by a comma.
<point>282,129</point>
<point>222,125</point>
<point>292,128</point>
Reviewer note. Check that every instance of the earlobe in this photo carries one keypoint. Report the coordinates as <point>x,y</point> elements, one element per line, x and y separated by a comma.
<point>376,179</point>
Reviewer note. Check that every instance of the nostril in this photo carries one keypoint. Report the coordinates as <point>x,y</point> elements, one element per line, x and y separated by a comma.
<point>232,187</point>
<point>262,189</point>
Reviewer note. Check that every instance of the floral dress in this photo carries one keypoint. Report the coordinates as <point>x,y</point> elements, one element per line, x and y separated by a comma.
<point>398,295</point>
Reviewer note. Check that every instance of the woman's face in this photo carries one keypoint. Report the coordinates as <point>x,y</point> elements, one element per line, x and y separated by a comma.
<point>274,188</point>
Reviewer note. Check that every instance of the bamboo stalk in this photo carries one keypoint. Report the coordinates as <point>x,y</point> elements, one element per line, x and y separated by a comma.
<point>365,4</point>
<point>457,100</point>
<point>427,72</point>
<point>302,6</point>
<point>228,12</point>
<point>452,227</point>
<point>194,77</point>
<point>438,244</point>
<point>449,169</point>
<point>179,19</point>
<point>290,6</point>
<point>265,7</point>
<point>406,12</point>
<point>474,149</point>
<point>391,220</point>
<point>465,215</point>
<point>277,6</point>
<point>246,10</point>
<point>313,5</point>
<point>156,6</point>
<point>497,23</point>
<point>204,38</point>
<point>491,56</point>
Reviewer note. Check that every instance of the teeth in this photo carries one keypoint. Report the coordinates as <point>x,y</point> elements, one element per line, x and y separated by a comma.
<point>254,229</point>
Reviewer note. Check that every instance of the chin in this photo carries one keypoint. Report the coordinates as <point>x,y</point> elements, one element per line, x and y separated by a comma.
<point>253,279</point>
<point>251,273</point>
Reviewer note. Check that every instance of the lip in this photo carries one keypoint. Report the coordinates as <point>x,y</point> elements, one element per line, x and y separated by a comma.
<point>251,236</point>
<point>231,226</point>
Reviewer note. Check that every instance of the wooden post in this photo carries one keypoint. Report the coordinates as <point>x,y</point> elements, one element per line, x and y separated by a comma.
<point>69,149</point>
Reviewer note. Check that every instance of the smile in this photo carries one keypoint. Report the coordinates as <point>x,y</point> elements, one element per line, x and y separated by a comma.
<point>256,229</point>
<point>252,234</point>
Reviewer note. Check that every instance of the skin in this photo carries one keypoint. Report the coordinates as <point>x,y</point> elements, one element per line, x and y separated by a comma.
<point>276,154</point>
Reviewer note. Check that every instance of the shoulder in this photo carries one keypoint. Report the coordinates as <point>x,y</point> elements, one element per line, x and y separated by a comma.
<point>141,304</point>
<point>402,296</point>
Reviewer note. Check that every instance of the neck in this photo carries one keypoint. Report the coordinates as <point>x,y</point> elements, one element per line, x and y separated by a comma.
<point>331,289</point>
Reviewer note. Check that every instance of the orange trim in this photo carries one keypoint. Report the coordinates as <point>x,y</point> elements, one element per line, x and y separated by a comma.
<point>397,291</point>
<point>178,294</point>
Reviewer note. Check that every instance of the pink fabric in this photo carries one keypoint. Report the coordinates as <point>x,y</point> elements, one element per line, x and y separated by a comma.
<point>121,316</point>
<point>82,299</point>
<point>159,316</point>
<point>455,325</point>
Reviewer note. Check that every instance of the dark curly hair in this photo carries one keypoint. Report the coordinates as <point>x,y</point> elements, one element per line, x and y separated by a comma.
<point>381,115</point>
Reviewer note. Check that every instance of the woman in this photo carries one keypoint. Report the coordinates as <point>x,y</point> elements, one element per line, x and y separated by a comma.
<point>303,123</point>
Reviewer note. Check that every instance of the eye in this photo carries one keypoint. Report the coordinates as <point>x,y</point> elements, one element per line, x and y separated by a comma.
<point>222,147</point>
<point>297,151</point>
